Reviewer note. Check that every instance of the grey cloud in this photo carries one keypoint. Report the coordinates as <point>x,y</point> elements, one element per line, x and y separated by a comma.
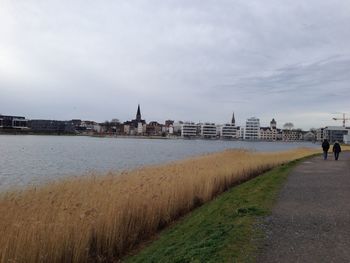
<point>316,76</point>
<point>182,59</point>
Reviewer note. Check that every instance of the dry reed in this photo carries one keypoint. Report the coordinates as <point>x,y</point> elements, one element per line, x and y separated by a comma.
<point>100,218</point>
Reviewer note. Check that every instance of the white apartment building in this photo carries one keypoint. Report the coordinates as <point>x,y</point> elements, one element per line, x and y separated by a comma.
<point>319,134</point>
<point>229,131</point>
<point>177,128</point>
<point>208,130</point>
<point>189,129</point>
<point>252,129</point>
<point>139,128</point>
<point>240,133</point>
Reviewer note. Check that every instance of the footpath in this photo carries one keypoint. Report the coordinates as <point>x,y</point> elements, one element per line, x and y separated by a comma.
<point>311,220</point>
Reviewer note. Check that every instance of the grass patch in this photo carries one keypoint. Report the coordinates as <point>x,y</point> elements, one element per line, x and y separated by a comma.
<point>222,230</point>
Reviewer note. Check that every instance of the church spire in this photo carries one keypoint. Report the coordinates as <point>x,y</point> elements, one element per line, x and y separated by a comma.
<point>233,121</point>
<point>138,114</point>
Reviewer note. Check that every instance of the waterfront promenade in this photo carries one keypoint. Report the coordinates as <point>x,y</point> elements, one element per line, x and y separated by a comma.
<point>310,222</point>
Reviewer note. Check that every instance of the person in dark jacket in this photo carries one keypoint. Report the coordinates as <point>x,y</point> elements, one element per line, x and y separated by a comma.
<point>325,147</point>
<point>336,150</point>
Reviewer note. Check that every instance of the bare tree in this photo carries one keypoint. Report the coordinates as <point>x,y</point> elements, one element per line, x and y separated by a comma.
<point>313,130</point>
<point>288,126</point>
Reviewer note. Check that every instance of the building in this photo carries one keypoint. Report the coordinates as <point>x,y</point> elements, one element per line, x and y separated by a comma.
<point>13,122</point>
<point>126,129</point>
<point>273,124</point>
<point>139,130</point>
<point>229,130</point>
<point>112,127</point>
<point>319,134</point>
<point>252,129</point>
<point>335,133</point>
<point>51,126</point>
<point>292,135</point>
<point>269,133</point>
<point>136,126</point>
<point>177,128</point>
<point>240,132</point>
<point>208,130</point>
<point>170,130</point>
<point>347,139</point>
<point>88,127</point>
<point>154,129</point>
<point>138,117</point>
<point>189,130</point>
<point>233,120</point>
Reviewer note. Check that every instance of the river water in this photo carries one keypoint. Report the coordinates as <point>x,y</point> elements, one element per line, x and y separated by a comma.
<point>31,160</point>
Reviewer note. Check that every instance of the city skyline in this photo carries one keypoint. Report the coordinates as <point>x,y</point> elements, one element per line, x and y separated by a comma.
<point>242,123</point>
<point>190,61</point>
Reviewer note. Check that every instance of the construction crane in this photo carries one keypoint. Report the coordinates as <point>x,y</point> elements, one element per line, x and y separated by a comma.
<point>344,119</point>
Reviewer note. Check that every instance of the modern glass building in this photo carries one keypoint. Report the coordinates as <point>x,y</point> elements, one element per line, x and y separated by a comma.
<point>13,122</point>
<point>335,133</point>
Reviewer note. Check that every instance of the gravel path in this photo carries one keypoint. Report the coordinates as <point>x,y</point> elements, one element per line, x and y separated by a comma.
<point>311,220</point>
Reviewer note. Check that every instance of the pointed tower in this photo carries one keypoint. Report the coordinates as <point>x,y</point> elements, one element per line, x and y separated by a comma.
<point>273,124</point>
<point>233,121</point>
<point>138,114</point>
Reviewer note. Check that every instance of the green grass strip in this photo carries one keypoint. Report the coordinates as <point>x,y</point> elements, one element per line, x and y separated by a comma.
<point>223,230</point>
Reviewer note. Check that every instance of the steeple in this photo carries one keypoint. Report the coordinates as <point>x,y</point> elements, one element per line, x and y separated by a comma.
<point>138,114</point>
<point>273,124</point>
<point>233,121</point>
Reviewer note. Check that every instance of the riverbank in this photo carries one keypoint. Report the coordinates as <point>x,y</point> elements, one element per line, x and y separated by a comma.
<point>104,217</point>
<point>266,219</point>
<point>223,230</point>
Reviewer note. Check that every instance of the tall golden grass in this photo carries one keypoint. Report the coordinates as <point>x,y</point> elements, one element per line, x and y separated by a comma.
<point>100,218</point>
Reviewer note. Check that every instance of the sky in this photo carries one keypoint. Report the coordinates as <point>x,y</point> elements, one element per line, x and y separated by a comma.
<point>189,60</point>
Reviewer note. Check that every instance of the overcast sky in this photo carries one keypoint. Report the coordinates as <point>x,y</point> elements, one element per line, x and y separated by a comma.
<point>181,59</point>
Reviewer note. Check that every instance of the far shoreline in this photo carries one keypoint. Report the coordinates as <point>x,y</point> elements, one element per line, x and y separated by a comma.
<point>152,137</point>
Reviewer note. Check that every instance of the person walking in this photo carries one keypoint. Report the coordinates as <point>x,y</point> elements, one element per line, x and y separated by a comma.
<point>336,150</point>
<point>325,147</point>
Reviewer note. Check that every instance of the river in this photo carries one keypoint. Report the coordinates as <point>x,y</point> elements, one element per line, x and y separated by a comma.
<point>31,160</point>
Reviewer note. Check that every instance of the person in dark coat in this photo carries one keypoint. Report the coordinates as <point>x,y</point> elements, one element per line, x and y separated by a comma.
<point>336,150</point>
<point>325,147</point>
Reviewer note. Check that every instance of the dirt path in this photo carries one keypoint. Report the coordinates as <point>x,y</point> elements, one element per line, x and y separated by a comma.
<point>311,220</point>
